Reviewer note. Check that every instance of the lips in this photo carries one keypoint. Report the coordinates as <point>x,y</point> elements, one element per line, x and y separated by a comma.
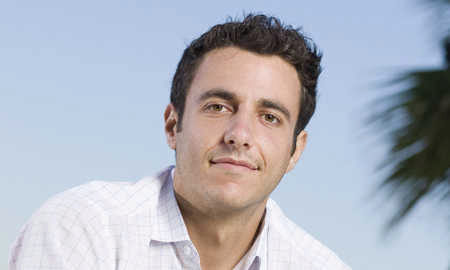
<point>236,162</point>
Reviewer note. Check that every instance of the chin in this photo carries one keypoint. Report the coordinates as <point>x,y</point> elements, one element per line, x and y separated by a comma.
<point>229,196</point>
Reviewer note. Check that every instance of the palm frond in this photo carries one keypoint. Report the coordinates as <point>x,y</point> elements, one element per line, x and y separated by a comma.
<point>418,122</point>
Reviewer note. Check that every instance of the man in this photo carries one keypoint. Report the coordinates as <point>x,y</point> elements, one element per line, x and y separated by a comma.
<point>241,97</point>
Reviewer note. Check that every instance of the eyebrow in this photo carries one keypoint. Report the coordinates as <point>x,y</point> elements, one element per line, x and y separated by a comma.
<point>218,93</point>
<point>228,96</point>
<point>267,103</point>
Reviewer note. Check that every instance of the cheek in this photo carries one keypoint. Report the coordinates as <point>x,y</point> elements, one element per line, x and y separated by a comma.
<point>276,147</point>
<point>279,140</point>
<point>199,137</point>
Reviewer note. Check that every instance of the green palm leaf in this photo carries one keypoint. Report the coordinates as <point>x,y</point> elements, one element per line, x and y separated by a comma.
<point>418,122</point>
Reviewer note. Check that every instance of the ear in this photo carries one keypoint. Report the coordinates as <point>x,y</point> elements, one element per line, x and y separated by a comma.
<point>300,146</point>
<point>170,127</point>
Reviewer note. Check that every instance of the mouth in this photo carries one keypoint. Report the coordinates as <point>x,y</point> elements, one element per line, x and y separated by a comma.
<point>230,162</point>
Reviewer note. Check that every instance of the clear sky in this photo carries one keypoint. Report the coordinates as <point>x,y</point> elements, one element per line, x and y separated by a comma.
<point>83,86</point>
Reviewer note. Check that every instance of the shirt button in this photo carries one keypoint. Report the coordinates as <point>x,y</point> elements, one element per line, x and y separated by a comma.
<point>187,250</point>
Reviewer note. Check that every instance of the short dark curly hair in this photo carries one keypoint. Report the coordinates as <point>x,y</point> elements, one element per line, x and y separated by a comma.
<point>260,34</point>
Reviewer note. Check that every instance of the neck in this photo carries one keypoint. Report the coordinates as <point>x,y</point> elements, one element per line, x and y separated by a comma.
<point>221,239</point>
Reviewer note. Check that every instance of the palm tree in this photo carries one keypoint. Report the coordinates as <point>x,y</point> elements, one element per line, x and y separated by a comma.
<point>417,120</point>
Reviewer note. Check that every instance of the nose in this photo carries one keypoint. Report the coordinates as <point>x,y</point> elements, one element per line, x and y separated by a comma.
<point>239,131</point>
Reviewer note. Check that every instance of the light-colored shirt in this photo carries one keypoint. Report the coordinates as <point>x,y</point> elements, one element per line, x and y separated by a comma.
<point>133,226</point>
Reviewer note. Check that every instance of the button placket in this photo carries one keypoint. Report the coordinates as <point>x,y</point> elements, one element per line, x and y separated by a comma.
<point>187,250</point>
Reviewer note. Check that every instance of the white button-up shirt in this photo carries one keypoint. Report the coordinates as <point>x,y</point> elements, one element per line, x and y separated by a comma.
<point>112,225</point>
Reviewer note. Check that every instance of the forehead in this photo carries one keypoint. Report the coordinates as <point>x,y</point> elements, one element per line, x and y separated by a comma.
<point>248,75</point>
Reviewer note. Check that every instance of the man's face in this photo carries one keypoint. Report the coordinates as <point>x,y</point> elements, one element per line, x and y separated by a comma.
<point>236,138</point>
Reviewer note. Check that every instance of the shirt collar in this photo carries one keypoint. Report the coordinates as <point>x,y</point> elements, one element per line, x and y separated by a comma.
<point>167,222</point>
<point>256,257</point>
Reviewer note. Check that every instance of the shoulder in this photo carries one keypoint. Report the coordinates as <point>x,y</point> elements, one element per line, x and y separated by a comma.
<point>64,225</point>
<point>297,246</point>
<point>100,200</point>
<point>92,200</point>
<point>82,219</point>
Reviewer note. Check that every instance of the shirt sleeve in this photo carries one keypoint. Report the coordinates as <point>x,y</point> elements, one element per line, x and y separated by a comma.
<point>39,246</point>
<point>62,234</point>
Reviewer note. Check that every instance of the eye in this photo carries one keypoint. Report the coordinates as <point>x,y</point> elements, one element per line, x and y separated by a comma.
<point>215,107</point>
<point>271,118</point>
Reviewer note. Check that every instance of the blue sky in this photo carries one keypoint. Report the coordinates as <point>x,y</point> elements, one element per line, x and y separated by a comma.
<point>84,84</point>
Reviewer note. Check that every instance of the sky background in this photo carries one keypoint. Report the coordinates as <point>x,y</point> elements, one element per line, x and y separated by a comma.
<point>83,87</point>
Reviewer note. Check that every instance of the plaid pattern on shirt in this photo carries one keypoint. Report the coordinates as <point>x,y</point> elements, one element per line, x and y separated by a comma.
<point>133,226</point>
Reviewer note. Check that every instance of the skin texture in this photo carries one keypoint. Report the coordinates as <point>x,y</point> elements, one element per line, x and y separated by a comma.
<point>233,149</point>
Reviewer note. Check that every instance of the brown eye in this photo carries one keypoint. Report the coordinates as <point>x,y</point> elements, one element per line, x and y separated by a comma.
<point>217,107</point>
<point>271,118</point>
